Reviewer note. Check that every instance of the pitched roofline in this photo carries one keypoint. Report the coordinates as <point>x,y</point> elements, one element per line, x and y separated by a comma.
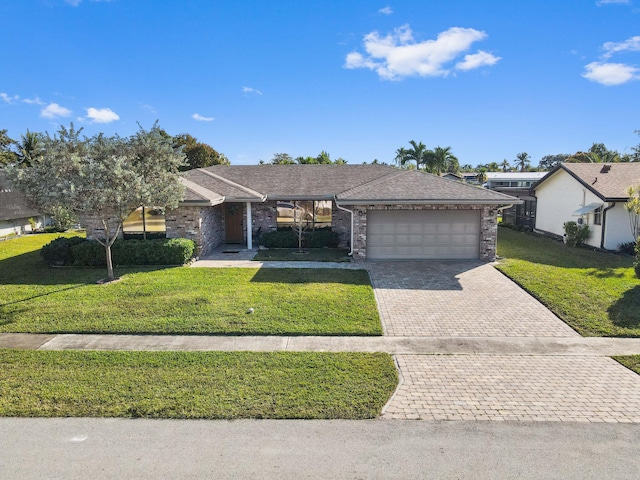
<point>212,198</point>
<point>561,166</point>
<point>515,201</point>
<point>261,196</point>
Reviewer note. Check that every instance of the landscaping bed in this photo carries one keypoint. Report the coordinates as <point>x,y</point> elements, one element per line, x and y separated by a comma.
<point>208,385</point>
<point>38,299</point>
<point>594,292</point>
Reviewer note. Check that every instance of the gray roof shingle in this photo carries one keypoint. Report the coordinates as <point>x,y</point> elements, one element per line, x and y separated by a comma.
<point>348,183</point>
<point>13,205</point>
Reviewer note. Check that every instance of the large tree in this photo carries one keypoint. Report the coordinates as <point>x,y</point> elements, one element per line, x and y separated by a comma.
<point>103,177</point>
<point>441,159</point>
<point>199,155</point>
<point>550,161</point>
<point>7,155</point>
<point>418,153</point>
<point>523,160</point>
<point>29,148</point>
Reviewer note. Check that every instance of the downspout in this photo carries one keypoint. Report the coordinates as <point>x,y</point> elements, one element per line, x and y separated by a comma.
<point>351,233</point>
<point>604,224</point>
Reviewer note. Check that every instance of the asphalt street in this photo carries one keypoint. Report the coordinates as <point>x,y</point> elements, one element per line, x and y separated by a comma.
<point>166,449</point>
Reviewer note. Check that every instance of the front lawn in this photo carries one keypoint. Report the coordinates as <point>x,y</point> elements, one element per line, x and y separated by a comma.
<point>596,293</point>
<point>308,255</point>
<point>36,298</point>
<point>211,385</point>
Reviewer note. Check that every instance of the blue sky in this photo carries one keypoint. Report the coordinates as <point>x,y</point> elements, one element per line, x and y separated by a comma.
<point>358,79</point>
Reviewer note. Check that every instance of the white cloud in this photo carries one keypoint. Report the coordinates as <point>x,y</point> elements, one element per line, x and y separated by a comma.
<point>610,73</point>
<point>102,115</point>
<point>7,98</point>
<point>398,55</point>
<point>386,11</point>
<point>629,45</point>
<point>73,3</point>
<point>33,101</point>
<point>149,108</point>
<point>53,110</point>
<point>248,90</point>
<point>200,118</point>
<point>477,60</point>
<point>611,2</point>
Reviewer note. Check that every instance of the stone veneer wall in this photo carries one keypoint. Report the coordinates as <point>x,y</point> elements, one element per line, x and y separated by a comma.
<point>203,225</point>
<point>95,229</point>
<point>488,226</point>
<point>264,219</point>
<point>341,224</point>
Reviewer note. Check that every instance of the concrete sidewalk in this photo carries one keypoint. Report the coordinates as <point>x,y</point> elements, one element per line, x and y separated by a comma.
<point>556,346</point>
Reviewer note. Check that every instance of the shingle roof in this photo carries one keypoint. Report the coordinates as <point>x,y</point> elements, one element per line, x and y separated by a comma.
<point>412,186</point>
<point>348,183</point>
<point>608,183</point>
<point>12,204</point>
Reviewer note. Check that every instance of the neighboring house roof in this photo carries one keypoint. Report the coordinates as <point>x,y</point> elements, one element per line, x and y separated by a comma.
<point>13,204</point>
<point>349,184</point>
<point>516,176</point>
<point>608,181</point>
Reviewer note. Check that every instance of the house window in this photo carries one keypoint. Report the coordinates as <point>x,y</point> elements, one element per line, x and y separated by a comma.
<point>597,216</point>
<point>145,222</point>
<point>314,214</point>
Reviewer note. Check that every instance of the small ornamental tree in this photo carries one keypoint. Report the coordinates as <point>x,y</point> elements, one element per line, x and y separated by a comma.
<point>103,177</point>
<point>575,234</point>
<point>632,206</point>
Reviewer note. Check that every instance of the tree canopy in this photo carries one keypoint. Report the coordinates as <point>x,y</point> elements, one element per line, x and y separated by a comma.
<point>436,161</point>
<point>199,155</point>
<point>103,177</point>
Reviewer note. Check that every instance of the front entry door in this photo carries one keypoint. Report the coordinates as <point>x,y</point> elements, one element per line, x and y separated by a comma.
<point>234,232</point>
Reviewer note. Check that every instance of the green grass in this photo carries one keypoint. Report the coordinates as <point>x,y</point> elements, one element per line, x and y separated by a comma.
<point>594,292</point>
<point>309,255</point>
<point>182,300</point>
<point>211,385</point>
<point>632,362</point>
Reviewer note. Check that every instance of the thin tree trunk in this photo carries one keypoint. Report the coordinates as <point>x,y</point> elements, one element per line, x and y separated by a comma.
<point>110,275</point>
<point>144,225</point>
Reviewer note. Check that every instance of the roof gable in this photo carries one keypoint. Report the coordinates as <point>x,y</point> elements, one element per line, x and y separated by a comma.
<point>608,181</point>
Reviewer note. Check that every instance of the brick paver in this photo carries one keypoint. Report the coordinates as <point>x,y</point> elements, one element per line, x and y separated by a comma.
<point>516,388</point>
<point>458,299</point>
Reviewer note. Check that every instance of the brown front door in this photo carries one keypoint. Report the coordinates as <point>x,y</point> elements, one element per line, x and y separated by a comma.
<point>233,223</point>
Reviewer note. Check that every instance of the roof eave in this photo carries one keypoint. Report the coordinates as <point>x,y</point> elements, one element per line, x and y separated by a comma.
<point>514,201</point>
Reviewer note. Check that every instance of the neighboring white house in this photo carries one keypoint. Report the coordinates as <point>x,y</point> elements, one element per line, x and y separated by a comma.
<point>589,193</point>
<point>517,184</point>
<point>14,212</point>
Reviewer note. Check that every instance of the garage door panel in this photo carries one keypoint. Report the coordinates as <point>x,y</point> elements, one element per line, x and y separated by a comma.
<point>423,234</point>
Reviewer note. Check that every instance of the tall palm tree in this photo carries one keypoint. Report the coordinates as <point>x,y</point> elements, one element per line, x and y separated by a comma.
<point>418,153</point>
<point>29,148</point>
<point>442,160</point>
<point>523,160</point>
<point>505,165</point>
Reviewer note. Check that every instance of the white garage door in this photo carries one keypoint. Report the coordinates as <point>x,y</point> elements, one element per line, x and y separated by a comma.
<point>423,234</point>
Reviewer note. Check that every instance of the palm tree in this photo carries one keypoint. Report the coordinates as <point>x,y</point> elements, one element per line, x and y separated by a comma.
<point>442,160</point>
<point>522,162</point>
<point>482,175</point>
<point>505,165</point>
<point>419,154</point>
<point>29,148</point>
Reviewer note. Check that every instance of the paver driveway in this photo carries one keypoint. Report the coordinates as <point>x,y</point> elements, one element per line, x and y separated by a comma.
<point>468,299</point>
<point>458,299</point>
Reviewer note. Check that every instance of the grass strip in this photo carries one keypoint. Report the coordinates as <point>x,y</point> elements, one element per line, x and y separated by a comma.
<point>192,385</point>
<point>38,299</point>
<point>595,292</point>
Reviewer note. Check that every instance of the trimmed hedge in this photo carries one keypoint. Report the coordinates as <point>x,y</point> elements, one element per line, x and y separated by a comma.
<point>59,250</point>
<point>287,238</point>
<point>175,251</point>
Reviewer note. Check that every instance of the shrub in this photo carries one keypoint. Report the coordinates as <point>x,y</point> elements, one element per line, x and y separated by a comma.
<point>174,251</point>
<point>636,265</point>
<point>575,235</point>
<point>60,250</point>
<point>287,238</point>
<point>628,248</point>
<point>54,229</point>
<point>280,239</point>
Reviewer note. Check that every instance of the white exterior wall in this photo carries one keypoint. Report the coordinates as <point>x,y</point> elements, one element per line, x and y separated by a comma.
<point>617,227</point>
<point>18,226</point>
<point>558,197</point>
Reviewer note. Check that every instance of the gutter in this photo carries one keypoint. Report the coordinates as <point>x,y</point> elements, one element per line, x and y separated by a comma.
<point>351,233</point>
<point>604,224</point>
<point>513,201</point>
